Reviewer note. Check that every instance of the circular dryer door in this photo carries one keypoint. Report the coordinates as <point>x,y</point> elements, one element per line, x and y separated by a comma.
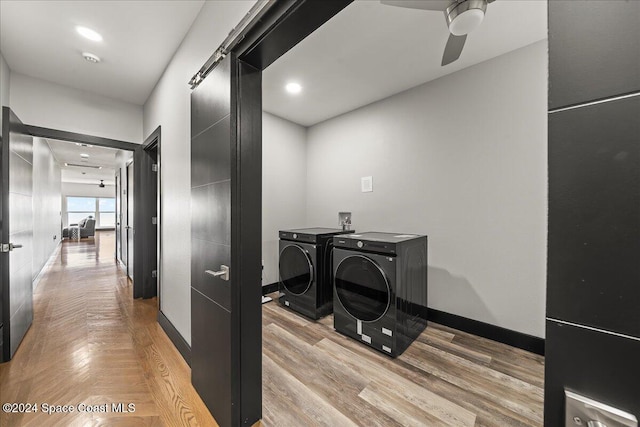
<point>362,288</point>
<point>296,270</point>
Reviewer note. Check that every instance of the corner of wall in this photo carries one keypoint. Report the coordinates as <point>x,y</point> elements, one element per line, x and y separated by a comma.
<point>5,84</point>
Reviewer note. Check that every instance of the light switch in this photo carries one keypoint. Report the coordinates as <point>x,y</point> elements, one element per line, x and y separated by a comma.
<point>367,184</point>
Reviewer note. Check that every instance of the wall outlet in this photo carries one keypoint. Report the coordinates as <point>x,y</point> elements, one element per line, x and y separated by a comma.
<point>366,183</point>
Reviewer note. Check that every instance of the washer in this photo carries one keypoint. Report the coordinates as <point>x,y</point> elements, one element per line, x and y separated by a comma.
<point>305,270</point>
<point>380,289</point>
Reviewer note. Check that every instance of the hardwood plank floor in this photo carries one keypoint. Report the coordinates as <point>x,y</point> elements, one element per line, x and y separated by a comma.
<point>446,378</point>
<point>91,342</point>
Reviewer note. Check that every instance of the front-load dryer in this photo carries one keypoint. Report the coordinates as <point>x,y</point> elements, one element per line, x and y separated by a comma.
<point>380,288</point>
<point>305,270</point>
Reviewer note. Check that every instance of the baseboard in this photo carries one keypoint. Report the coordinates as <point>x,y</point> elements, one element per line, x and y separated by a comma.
<point>486,330</point>
<point>183,347</point>
<point>54,255</point>
<point>271,287</point>
<point>475,327</point>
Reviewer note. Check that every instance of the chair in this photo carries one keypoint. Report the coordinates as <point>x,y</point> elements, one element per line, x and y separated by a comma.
<point>87,228</point>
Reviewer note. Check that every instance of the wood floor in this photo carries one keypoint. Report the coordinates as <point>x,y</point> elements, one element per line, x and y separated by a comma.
<point>315,376</point>
<point>91,342</point>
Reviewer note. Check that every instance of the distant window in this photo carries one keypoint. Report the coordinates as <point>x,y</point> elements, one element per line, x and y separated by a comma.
<point>79,208</point>
<point>107,212</point>
<point>102,209</point>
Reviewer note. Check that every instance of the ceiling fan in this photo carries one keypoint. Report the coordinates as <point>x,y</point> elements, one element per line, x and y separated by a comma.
<point>462,16</point>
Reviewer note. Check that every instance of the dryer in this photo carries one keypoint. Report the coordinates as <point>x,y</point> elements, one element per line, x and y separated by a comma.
<point>305,270</point>
<point>380,288</point>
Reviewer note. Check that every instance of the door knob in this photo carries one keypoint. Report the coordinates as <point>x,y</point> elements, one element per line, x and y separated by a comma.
<point>8,247</point>
<point>223,273</point>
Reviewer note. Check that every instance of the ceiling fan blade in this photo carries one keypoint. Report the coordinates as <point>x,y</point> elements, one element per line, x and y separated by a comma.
<point>439,5</point>
<point>453,49</point>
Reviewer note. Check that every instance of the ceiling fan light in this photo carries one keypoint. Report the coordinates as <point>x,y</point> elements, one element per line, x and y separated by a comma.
<point>466,16</point>
<point>466,22</point>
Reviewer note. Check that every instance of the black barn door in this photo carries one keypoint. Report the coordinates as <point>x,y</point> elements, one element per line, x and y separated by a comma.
<point>16,232</point>
<point>226,343</point>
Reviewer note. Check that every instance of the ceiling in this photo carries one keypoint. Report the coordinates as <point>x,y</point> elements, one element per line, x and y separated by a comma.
<point>370,51</point>
<point>69,152</point>
<point>38,38</point>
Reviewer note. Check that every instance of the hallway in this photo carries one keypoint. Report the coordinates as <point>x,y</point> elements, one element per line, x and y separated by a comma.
<point>91,343</point>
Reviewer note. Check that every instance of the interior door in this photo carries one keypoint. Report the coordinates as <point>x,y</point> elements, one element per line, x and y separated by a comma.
<point>16,230</point>
<point>129,226</point>
<point>118,226</point>
<point>226,346</point>
<point>122,212</point>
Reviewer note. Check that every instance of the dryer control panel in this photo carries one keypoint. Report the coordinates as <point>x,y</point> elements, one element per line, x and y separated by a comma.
<point>365,245</point>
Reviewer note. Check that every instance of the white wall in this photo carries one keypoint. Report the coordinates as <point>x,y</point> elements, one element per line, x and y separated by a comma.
<point>41,103</point>
<point>284,173</point>
<point>462,159</point>
<point>169,106</point>
<point>47,208</point>
<point>4,84</point>
<point>85,190</point>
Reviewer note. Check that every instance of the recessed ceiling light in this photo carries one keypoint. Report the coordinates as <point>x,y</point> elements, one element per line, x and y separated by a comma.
<point>91,57</point>
<point>84,155</point>
<point>89,34</point>
<point>293,88</point>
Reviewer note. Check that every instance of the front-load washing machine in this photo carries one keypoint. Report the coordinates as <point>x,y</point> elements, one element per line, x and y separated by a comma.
<point>305,270</point>
<point>380,288</point>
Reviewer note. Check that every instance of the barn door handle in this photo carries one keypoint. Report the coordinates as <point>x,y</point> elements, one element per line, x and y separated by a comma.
<point>223,273</point>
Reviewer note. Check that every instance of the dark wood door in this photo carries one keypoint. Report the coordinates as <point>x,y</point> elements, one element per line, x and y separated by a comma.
<point>118,216</point>
<point>129,226</point>
<point>225,249</point>
<point>123,216</point>
<point>16,231</point>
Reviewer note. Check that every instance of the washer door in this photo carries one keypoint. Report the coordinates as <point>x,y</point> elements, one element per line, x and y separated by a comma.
<point>362,288</point>
<point>296,269</point>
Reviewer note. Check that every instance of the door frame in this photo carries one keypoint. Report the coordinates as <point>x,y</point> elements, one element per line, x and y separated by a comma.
<point>130,255</point>
<point>145,204</point>
<point>118,247</point>
<point>11,123</point>
<point>140,176</point>
<point>277,29</point>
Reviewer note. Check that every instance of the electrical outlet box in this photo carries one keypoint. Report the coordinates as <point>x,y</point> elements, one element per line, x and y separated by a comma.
<point>366,183</point>
<point>583,411</point>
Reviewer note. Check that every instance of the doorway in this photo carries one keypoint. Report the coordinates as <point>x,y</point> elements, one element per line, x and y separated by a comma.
<point>118,219</point>
<point>145,182</point>
<point>261,47</point>
<point>129,226</point>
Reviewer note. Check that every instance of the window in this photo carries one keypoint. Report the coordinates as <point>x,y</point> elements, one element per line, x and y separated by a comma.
<point>102,209</point>
<point>107,212</point>
<point>79,208</point>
